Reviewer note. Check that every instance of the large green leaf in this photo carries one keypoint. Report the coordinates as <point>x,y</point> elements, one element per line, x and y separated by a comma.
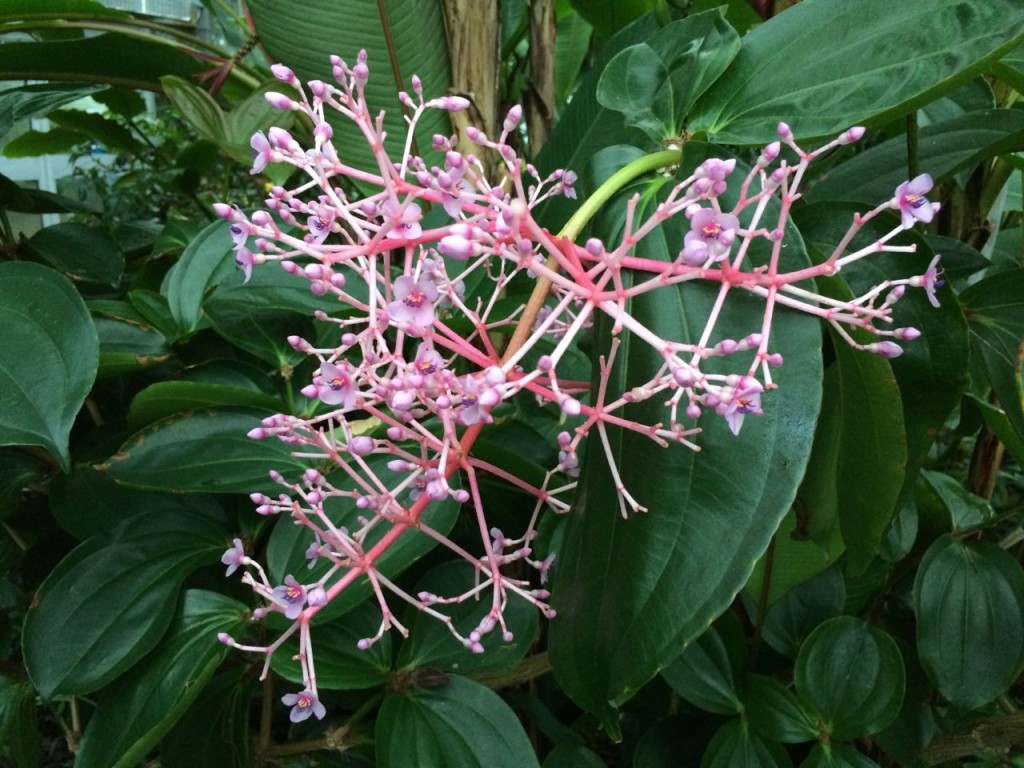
<point>28,101</point>
<point>882,61</point>
<point>456,723</point>
<point>111,599</point>
<point>851,675</point>
<point>48,360</point>
<point>943,149</point>
<point>206,451</point>
<point>134,713</point>
<point>776,713</point>
<point>169,397</point>
<point>995,314</point>
<point>206,260</point>
<point>631,593</point>
<point>709,673</point>
<point>80,252</point>
<point>214,732</point>
<point>305,40</point>
<point>969,604</point>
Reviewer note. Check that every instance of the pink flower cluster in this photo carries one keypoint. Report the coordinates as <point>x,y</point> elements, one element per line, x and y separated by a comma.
<point>422,364</point>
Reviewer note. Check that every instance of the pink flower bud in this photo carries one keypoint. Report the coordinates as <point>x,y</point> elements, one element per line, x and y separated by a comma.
<point>279,100</point>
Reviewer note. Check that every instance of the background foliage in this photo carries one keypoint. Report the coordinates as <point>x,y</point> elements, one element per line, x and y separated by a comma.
<point>841,586</point>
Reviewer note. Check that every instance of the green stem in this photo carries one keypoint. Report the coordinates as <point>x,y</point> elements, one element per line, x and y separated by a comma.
<point>613,185</point>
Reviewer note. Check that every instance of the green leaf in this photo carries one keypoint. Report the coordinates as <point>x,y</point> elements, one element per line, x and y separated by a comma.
<point>963,509</point>
<point>166,398</point>
<point>851,674</point>
<point>609,16</point>
<point>48,360</point>
<point>943,150</point>
<point>709,672</point>
<point>431,644</point>
<point>80,252</point>
<point>127,347</point>
<point>305,41</point>
<point>340,664</point>
<point>969,604</point>
<point>108,603</point>
<point>214,732</point>
<point>197,107</point>
<point>111,58</point>
<point>995,419</point>
<point>636,83</point>
<point>207,451</point>
<point>24,102</point>
<point>110,133</point>
<point>836,756</point>
<point>135,712</point>
<point>458,723</point>
<point>792,619</point>
<point>735,745</point>
<point>18,722</point>
<point>38,143</point>
<point>205,260</point>
<point>882,61</point>
<point>566,756</point>
<point>995,315</point>
<point>710,514</point>
<point>776,713</point>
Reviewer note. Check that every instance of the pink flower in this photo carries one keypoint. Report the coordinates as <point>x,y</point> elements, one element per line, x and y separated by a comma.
<point>932,279</point>
<point>427,361</point>
<point>745,399</point>
<point>320,225</point>
<point>234,557</point>
<point>291,596</point>
<point>244,260</point>
<point>303,704</point>
<point>261,151</point>
<point>335,385</point>
<point>405,221</point>
<point>911,201</point>
<point>414,302</point>
<point>710,237</point>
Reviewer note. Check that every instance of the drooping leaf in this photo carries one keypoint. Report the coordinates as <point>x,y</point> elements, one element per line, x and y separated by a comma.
<point>197,107</point>
<point>851,675</point>
<point>134,713</point>
<point>112,598</point>
<point>622,613</point>
<point>80,252</point>
<point>709,672</point>
<point>883,61</point>
<point>48,360</point>
<point>969,604</point>
<point>458,722</point>
<point>207,451</point>
<point>23,102</point>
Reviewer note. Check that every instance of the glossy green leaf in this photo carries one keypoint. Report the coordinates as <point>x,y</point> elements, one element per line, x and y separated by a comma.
<point>851,674</point>
<point>431,644</point>
<point>197,107</point>
<point>340,663</point>
<point>636,84</point>
<point>836,756</point>
<point>206,451</point>
<point>969,604</point>
<point>135,712</point>
<point>214,732</point>
<point>48,360</point>
<point>458,722</point>
<point>80,252</point>
<point>776,713</point>
<point>206,258</point>
<point>23,102</point>
<point>962,508</point>
<point>996,420</point>
<point>995,314</point>
<point>622,613</point>
<point>87,501</point>
<point>708,674</point>
<point>791,620</point>
<point>127,347</point>
<point>735,745</point>
<point>114,59</point>
<point>262,332</point>
<point>286,550</point>
<point>882,61</point>
<point>166,398</point>
<point>943,149</point>
<point>112,598</point>
<point>305,41</point>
